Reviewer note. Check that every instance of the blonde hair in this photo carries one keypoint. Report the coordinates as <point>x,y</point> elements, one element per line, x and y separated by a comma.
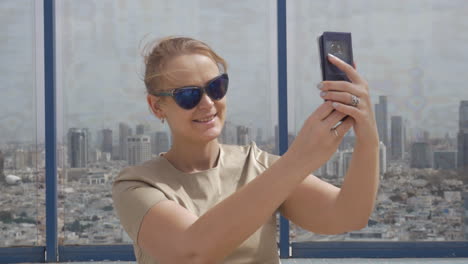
<point>158,53</point>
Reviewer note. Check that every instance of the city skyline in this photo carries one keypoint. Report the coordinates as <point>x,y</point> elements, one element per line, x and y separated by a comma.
<point>396,64</point>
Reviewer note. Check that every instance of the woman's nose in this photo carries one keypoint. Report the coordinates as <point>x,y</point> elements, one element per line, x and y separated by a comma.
<point>206,102</point>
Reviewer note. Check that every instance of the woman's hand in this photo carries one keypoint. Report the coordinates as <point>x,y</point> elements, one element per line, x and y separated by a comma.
<point>341,92</point>
<point>316,142</point>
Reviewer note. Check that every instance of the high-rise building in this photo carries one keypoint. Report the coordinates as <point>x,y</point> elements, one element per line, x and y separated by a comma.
<point>142,129</point>
<point>124,132</point>
<point>139,149</point>
<point>420,155</point>
<point>106,140</point>
<point>62,156</point>
<point>345,161</point>
<point>462,142</point>
<point>243,135</point>
<point>77,148</point>
<point>347,142</point>
<point>259,136</point>
<point>159,142</point>
<point>382,158</point>
<point>89,141</point>
<point>228,134</point>
<point>397,138</point>
<point>445,160</point>
<point>381,119</point>
<point>2,164</point>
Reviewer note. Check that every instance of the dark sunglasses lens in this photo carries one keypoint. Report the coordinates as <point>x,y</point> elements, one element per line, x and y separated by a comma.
<point>217,88</point>
<point>188,98</point>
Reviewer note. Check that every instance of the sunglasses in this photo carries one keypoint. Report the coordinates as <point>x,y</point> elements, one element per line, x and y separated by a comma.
<point>189,96</point>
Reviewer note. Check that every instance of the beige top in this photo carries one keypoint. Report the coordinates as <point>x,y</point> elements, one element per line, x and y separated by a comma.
<point>138,188</point>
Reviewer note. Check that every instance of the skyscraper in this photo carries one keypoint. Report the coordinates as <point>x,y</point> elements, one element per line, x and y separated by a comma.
<point>445,160</point>
<point>2,162</point>
<point>89,141</point>
<point>228,134</point>
<point>139,149</point>
<point>243,135</point>
<point>397,138</point>
<point>106,140</point>
<point>345,161</point>
<point>259,136</point>
<point>77,148</point>
<point>382,158</point>
<point>463,137</point>
<point>124,132</point>
<point>420,155</point>
<point>160,142</point>
<point>142,129</point>
<point>381,119</point>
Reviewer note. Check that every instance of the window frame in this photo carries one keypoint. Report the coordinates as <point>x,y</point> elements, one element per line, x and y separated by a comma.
<point>52,252</point>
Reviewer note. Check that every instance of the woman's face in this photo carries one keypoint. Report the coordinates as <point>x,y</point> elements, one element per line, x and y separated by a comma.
<point>205,121</point>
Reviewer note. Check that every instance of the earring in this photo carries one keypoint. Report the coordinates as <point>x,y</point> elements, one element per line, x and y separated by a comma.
<point>162,120</point>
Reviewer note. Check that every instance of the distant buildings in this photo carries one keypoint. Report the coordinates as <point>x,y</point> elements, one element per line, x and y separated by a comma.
<point>2,162</point>
<point>243,135</point>
<point>228,134</point>
<point>140,129</point>
<point>106,140</point>
<point>420,155</point>
<point>382,158</point>
<point>345,161</point>
<point>139,149</point>
<point>381,119</point>
<point>159,142</point>
<point>463,137</point>
<point>445,160</point>
<point>77,148</point>
<point>124,132</point>
<point>397,138</point>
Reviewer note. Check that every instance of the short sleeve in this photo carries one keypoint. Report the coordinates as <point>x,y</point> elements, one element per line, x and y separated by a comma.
<point>263,157</point>
<point>132,200</point>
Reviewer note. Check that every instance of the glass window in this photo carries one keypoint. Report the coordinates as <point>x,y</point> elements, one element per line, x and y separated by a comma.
<point>412,55</point>
<point>22,212</point>
<point>105,122</point>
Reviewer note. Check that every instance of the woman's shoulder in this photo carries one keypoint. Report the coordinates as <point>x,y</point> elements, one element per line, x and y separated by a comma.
<point>251,151</point>
<point>147,171</point>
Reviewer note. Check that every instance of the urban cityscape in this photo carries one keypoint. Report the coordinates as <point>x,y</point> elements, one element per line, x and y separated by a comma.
<point>102,124</point>
<point>423,193</point>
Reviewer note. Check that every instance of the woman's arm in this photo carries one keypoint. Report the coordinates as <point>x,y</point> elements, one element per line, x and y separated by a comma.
<point>172,234</point>
<point>322,208</point>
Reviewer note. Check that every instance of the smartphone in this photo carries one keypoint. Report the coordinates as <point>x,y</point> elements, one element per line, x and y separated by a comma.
<point>340,45</point>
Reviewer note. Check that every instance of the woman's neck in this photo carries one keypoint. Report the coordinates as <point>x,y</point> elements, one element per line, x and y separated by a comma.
<point>191,158</point>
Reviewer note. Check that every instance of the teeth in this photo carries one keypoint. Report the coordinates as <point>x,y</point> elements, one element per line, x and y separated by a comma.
<point>206,119</point>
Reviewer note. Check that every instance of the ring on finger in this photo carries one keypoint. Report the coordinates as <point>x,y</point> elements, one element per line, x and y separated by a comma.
<point>355,100</point>
<point>335,131</point>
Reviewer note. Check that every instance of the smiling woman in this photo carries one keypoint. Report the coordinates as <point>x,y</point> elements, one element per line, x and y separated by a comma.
<point>206,202</point>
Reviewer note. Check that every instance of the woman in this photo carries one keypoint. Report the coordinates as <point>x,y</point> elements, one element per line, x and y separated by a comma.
<point>205,202</point>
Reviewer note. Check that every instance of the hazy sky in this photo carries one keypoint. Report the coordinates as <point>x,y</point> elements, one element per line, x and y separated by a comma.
<point>411,51</point>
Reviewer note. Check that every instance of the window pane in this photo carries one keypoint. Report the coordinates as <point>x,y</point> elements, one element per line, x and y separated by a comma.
<point>22,212</point>
<point>412,55</point>
<point>104,112</point>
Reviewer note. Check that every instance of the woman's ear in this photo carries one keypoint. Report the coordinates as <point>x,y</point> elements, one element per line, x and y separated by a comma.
<point>155,106</point>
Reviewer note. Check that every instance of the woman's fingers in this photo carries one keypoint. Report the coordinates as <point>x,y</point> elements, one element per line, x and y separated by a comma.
<point>333,119</point>
<point>345,126</point>
<point>346,68</point>
<point>352,111</point>
<point>323,111</point>
<point>342,97</point>
<point>341,86</point>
